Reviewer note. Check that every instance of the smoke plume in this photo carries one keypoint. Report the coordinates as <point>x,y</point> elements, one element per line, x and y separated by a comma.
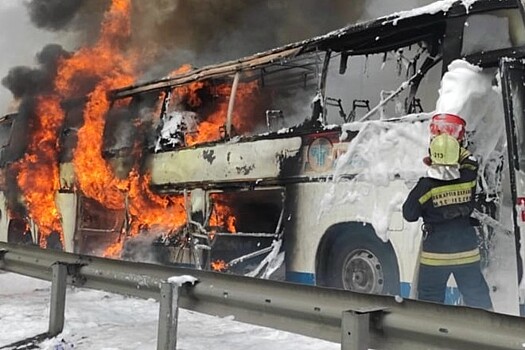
<point>169,33</point>
<point>25,81</point>
<point>207,31</point>
<point>204,32</point>
<point>53,14</point>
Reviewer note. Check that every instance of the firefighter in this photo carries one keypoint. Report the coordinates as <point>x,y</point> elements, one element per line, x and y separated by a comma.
<point>445,200</point>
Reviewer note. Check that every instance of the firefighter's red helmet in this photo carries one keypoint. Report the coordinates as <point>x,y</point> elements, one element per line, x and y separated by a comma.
<point>447,123</point>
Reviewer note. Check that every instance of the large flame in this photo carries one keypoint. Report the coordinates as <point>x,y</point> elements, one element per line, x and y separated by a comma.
<point>105,61</point>
<point>38,175</point>
<point>94,175</point>
<point>107,65</point>
<point>149,210</point>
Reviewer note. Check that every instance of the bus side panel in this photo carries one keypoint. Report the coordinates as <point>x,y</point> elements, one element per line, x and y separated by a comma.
<point>67,204</point>
<point>243,161</point>
<point>4,218</point>
<point>314,207</point>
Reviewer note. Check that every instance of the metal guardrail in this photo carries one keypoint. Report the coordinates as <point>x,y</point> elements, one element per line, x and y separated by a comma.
<point>357,321</point>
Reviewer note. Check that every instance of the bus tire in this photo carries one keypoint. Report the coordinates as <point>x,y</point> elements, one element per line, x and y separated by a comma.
<point>362,263</point>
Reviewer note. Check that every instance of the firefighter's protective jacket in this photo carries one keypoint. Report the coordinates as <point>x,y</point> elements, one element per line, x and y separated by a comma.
<point>445,206</point>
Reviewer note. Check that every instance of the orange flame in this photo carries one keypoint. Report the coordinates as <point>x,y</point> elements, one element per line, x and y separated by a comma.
<point>222,214</point>
<point>149,210</point>
<point>185,68</point>
<point>219,265</point>
<point>38,174</point>
<point>94,175</point>
<point>105,61</point>
<point>210,128</point>
<point>113,251</point>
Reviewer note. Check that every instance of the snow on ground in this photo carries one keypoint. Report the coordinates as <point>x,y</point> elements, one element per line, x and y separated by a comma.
<point>103,321</point>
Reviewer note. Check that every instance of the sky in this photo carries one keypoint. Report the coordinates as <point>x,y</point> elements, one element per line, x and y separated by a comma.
<point>19,42</point>
<point>104,321</point>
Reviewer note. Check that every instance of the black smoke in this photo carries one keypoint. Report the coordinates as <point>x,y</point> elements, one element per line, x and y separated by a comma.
<point>53,14</point>
<point>203,32</point>
<point>24,82</point>
<point>172,32</point>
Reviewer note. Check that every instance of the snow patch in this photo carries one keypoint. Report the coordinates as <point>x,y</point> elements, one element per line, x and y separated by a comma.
<point>467,90</point>
<point>180,280</point>
<point>438,6</point>
<point>174,125</point>
<point>99,320</point>
<point>273,261</point>
<point>381,152</point>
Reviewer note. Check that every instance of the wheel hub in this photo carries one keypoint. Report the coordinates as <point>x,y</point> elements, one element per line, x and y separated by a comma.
<point>362,272</point>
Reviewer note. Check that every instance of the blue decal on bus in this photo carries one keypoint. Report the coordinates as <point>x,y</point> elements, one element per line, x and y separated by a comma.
<point>300,277</point>
<point>405,288</point>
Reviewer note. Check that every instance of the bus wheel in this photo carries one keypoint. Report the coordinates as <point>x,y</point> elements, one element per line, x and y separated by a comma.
<point>363,264</point>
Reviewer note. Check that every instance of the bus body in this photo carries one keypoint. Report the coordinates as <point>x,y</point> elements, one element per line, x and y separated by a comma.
<point>307,164</point>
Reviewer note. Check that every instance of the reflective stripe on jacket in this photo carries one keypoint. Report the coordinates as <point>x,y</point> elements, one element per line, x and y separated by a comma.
<point>448,259</point>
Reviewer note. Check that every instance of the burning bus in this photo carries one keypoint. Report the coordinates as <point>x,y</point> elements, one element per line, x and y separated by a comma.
<point>291,161</point>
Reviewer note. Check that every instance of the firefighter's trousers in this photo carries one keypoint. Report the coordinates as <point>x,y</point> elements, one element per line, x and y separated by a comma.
<point>471,284</point>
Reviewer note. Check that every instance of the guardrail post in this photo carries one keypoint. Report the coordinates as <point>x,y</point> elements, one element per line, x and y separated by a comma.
<point>58,299</point>
<point>2,254</point>
<point>355,330</point>
<point>168,316</point>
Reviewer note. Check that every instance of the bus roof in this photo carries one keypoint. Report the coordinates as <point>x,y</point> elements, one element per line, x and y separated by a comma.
<point>378,35</point>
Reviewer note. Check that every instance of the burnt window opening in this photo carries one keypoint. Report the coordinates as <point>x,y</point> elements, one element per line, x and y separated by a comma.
<point>6,125</point>
<point>14,137</point>
<point>73,121</point>
<point>292,87</point>
<point>370,79</point>
<point>127,123</point>
<point>98,227</point>
<point>246,211</point>
<point>127,131</point>
<point>494,30</point>
<point>276,96</point>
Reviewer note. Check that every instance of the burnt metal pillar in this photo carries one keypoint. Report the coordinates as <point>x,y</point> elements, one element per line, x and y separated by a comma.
<point>58,299</point>
<point>231,104</point>
<point>168,316</point>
